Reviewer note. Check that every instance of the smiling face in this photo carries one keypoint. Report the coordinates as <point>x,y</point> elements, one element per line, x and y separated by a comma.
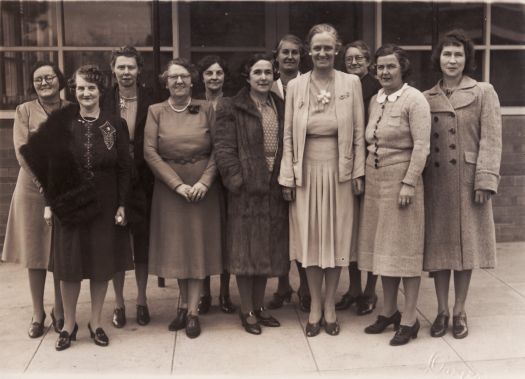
<point>213,78</point>
<point>323,50</point>
<point>289,57</point>
<point>126,71</point>
<point>355,62</point>
<point>261,77</point>
<point>46,83</point>
<point>87,94</point>
<point>389,73</point>
<point>452,61</point>
<point>179,81</point>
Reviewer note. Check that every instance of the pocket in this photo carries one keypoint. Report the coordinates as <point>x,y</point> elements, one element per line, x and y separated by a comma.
<point>469,169</point>
<point>394,119</point>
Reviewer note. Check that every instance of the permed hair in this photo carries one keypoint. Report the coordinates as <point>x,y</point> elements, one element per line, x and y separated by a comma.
<point>60,76</point>
<point>400,54</point>
<point>180,62</point>
<point>456,37</point>
<point>127,51</point>
<point>254,58</point>
<point>90,73</point>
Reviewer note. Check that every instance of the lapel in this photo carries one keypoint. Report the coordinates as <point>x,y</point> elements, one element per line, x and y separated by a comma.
<point>464,95</point>
<point>341,108</point>
<point>243,101</point>
<point>303,101</point>
<point>438,101</point>
<point>142,104</point>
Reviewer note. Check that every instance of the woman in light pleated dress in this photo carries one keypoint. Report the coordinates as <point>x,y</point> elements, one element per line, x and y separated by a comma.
<point>322,170</point>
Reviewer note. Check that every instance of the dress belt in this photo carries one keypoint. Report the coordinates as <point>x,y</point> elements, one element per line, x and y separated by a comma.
<point>194,159</point>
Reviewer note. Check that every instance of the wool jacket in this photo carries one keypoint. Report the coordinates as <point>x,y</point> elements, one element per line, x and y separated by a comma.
<point>350,122</point>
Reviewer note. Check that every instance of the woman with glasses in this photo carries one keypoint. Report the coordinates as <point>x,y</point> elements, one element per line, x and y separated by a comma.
<point>29,224</point>
<point>185,230</point>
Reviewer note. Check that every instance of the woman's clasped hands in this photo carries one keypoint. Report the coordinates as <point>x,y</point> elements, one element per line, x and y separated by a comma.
<point>194,193</point>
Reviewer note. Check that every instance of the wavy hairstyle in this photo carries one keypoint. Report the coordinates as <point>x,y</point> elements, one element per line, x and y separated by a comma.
<point>456,37</point>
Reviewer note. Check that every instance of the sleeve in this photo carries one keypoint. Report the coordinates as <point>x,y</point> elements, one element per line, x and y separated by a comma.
<point>358,169</point>
<point>286,175</point>
<point>226,147</point>
<point>209,174</point>
<point>159,167</point>
<point>419,120</point>
<point>123,162</point>
<point>489,155</point>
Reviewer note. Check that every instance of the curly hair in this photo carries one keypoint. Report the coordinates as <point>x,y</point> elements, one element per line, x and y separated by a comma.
<point>60,76</point>
<point>180,62</point>
<point>399,53</point>
<point>90,73</point>
<point>254,58</point>
<point>456,37</point>
<point>127,51</point>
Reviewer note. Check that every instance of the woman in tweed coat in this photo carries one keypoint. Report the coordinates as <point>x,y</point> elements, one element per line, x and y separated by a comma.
<point>460,180</point>
<point>391,234</point>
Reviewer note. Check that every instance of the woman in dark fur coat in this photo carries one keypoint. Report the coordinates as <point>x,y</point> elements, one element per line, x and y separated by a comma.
<point>81,158</point>
<point>248,151</point>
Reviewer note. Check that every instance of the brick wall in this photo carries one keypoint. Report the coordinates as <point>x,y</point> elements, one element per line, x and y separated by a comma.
<point>509,204</point>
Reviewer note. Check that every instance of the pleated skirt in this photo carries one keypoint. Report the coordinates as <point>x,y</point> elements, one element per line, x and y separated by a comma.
<point>391,238</point>
<point>324,215</point>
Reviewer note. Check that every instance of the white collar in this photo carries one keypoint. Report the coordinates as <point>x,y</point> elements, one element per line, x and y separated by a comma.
<point>382,96</point>
<point>280,85</point>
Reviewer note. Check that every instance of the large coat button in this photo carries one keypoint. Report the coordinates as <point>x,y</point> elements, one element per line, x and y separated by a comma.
<point>453,161</point>
<point>436,119</point>
<point>436,164</point>
<point>452,131</point>
<point>436,135</point>
<point>453,146</point>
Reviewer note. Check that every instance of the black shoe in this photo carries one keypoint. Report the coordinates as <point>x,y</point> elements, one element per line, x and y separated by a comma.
<point>366,304</point>
<point>266,320</point>
<point>404,334</point>
<point>193,326</point>
<point>58,324</point>
<point>36,329</point>
<point>226,304</point>
<point>143,315</point>
<point>332,328</point>
<point>304,302</point>
<point>382,322</point>
<point>119,317</point>
<point>459,326</point>
<point>440,325</point>
<point>180,321</point>
<point>313,329</point>
<point>204,304</point>
<point>278,299</point>
<point>99,336</point>
<point>64,339</point>
<point>253,328</point>
<point>346,301</point>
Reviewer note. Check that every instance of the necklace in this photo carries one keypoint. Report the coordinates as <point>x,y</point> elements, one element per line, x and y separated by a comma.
<point>179,110</point>
<point>94,118</point>
<point>48,108</point>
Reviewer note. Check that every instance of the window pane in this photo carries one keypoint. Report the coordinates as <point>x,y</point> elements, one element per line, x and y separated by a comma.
<point>15,68</point>
<point>507,70</point>
<point>74,60</point>
<point>508,24</point>
<point>408,23</point>
<point>108,23</point>
<point>468,17</point>
<point>230,24</point>
<point>28,23</point>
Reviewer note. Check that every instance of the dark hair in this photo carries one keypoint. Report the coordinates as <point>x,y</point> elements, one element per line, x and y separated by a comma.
<point>399,53</point>
<point>248,64</point>
<point>321,28</point>
<point>127,51</point>
<point>456,37</point>
<point>292,39</point>
<point>180,62</point>
<point>56,70</point>
<point>90,73</point>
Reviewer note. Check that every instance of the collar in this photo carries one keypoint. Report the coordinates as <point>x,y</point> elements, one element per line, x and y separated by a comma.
<point>382,96</point>
<point>280,84</point>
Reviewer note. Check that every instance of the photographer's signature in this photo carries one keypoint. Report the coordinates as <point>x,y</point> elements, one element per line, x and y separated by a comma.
<point>435,365</point>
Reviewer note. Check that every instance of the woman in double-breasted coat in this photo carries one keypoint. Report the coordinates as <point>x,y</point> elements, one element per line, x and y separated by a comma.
<point>462,176</point>
<point>248,151</point>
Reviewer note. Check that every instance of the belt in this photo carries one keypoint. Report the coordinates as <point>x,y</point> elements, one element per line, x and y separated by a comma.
<point>190,160</point>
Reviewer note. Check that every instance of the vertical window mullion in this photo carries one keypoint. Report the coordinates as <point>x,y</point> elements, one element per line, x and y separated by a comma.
<point>486,42</point>
<point>60,39</point>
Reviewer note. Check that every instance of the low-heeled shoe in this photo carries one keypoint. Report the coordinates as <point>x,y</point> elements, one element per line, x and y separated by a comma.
<point>204,304</point>
<point>250,328</point>
<point>382,322</point>
<point>193,326</point>
<point>313,329</point>
<point>58,324</point>
<point>269,321</point>
<point>119,318</point>
<point>143,315</point>
<point>180,321</point>
<point>99,336</point>
<point>36,329</point>
<point>440,325</point>
<point>278,299</point>
<point>332,328</point>
<point>346,301</point>
<point>366,305</point>
<point>404,334</point>
<point>226,304</point>
<point>64,339</point>
<point>459,326</point>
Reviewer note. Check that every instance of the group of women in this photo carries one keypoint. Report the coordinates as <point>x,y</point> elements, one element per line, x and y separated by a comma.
<point>330,169</point>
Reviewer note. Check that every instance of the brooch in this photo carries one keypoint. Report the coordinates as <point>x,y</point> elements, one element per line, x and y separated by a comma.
<point>108,132</point>
<point>194,109</point>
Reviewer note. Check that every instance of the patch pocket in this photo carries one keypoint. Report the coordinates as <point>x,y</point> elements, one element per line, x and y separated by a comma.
<point>469,168</point>
<point>394,119</point>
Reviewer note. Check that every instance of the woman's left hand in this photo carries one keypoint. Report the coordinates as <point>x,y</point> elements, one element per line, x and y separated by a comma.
<point>482,196</point>
<point>358,186</point>
<point>406,195</point>
<point>120,217</point>
<point>197,192</point>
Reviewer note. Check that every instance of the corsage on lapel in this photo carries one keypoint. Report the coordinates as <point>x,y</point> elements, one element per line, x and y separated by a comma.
<point>301,103</point>
<point>108,132</point>
<point>194,109</point>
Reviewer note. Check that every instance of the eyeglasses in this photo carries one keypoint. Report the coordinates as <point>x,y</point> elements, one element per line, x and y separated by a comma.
<point>182,77</point>
<point>358,59</point>
<point>48,79</point>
